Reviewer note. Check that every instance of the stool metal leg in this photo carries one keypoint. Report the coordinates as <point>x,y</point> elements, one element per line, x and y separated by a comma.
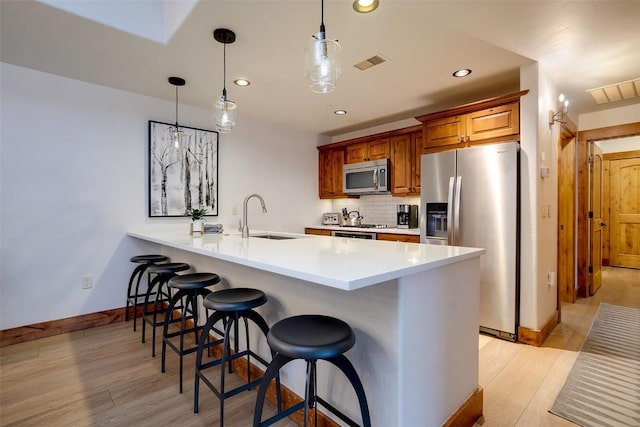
<point>132,298</point>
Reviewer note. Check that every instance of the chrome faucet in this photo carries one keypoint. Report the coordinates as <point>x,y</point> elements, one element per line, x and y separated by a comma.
<point>245,226</point>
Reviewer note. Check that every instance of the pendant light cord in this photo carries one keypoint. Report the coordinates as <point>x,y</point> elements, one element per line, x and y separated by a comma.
<point>322,30</point>
<point>176,108</point>
<point>224,71</point>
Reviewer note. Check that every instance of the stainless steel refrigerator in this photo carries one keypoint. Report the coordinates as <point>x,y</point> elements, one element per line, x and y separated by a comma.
<point>470,197</point>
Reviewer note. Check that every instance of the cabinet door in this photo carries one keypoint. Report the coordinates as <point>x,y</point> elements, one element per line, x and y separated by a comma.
<point>446,131</point>
<point>493,122</point>
<point>401,164</point>
<point>325,174</point>
<point>357,152</point>
<point>378,149</point>
<point>337,163</point>
<point>317,231</point>
<point>369,150</point>
<point>417,147</point>
<point>330,164</point>
<point>409,238</point>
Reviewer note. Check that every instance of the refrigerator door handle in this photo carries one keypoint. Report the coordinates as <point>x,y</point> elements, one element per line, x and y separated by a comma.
<point>450,224</point>
<point>456,206</point>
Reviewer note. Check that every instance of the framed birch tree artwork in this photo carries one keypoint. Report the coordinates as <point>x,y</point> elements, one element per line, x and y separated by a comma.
<point>185,177</point>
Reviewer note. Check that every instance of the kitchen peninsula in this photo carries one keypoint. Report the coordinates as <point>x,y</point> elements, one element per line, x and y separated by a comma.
<point>413,307</point>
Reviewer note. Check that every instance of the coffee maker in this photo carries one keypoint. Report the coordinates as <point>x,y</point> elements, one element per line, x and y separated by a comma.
<point>407,216</point>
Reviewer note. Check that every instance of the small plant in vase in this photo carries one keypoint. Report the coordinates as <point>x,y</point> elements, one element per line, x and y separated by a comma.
<point>197,217</point>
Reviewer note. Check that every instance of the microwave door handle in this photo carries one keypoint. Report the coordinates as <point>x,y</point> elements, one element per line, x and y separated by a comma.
<point>450,224</point>
<point>456,232</point>
<point>375,178</point>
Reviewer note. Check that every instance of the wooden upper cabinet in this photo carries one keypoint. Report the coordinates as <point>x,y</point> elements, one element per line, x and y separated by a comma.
<point>375,149</point>
<point>330,163</point>
<point>406,150</point>
<point>493,123</point>
<point>447,131</point>
<point>491,120</point>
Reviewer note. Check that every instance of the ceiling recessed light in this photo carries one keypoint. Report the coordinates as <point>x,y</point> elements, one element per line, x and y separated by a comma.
<point>242,82</point>
<point>462,73</point>
<point>365,6</point>
<point>340,112</point>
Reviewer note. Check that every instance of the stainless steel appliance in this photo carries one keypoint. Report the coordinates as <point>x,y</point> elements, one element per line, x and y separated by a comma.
<point>470,197</point>
<point>407,216</point>
<point>366,177</point>
<point>354,234</point>
<point>331,218</point>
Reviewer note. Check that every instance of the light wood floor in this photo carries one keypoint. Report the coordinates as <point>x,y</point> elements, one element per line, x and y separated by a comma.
<point>105,377</point>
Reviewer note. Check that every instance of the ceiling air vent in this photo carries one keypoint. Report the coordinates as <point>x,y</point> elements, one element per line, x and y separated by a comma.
<point>370,62</point>
<point>616,92</point>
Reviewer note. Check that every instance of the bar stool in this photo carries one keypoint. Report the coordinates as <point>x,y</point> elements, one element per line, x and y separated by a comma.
<point>133,294</point>
<point>158,294</point>
<point>190,287</point>
<point>230,305</point>
<point>313,338</point>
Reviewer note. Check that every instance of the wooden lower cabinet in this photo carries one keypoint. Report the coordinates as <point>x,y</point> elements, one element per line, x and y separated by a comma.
<point>408,238</point>
<point>317,231</point>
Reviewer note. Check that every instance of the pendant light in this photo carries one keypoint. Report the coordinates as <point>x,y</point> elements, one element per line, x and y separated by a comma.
<point>323,60</point>
<point>178,137</point>
<point>225,109</point>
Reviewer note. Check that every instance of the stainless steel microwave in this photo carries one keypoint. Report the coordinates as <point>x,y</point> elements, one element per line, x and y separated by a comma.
<point>366,177</point>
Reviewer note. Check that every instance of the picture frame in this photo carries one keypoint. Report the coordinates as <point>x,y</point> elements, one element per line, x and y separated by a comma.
<point>185,177</point>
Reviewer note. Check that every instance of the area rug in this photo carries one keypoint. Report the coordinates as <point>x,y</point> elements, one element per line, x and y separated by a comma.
<point>603,386</point>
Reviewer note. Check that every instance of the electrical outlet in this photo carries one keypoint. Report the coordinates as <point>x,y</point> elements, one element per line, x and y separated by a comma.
<point>551,278</point>
<point>87,282</point>
<point>234,210</point>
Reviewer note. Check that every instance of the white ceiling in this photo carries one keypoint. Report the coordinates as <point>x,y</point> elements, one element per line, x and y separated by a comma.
<point>580,45</point>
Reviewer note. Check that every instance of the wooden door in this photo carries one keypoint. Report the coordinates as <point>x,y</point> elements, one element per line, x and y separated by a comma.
<point>566,219</point>
<point>624,206</point>
<point>357,153</point>
<point>595,221</point>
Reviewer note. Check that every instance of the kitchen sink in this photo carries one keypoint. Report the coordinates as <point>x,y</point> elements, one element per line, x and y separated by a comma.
<point>274,236</point>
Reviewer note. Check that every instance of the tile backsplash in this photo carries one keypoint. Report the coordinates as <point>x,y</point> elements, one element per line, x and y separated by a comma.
<point>376,209</point>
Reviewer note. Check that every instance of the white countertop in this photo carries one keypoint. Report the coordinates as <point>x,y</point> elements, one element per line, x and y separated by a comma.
<point>390,230</point>
<point>337,262</point>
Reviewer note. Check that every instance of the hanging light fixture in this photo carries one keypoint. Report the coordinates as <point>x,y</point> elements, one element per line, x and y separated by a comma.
<point>323,60</point>
<point>225,109</point>
<point>178,137</point>
<point>563,110</point>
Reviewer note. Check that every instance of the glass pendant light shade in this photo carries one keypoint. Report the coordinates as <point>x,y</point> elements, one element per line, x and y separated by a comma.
<point>179,138</point>
<point>323,63</point>
<point>225,109</point>
<point>225,115</point>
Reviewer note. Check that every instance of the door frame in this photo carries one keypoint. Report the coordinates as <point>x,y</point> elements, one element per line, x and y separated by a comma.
<point>582,152</point>
<point>567,138</point>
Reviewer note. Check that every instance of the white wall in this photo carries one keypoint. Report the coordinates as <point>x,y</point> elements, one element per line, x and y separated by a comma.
<point>611,117</point>
<point>73,171</point>
<point>538,235</point>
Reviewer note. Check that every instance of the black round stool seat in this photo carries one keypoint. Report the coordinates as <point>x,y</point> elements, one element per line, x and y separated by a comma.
<point>168,267</point>
<point>235,299</point>
<point>311,337</point>
<point>147,259</point>
<point>194,281</point>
